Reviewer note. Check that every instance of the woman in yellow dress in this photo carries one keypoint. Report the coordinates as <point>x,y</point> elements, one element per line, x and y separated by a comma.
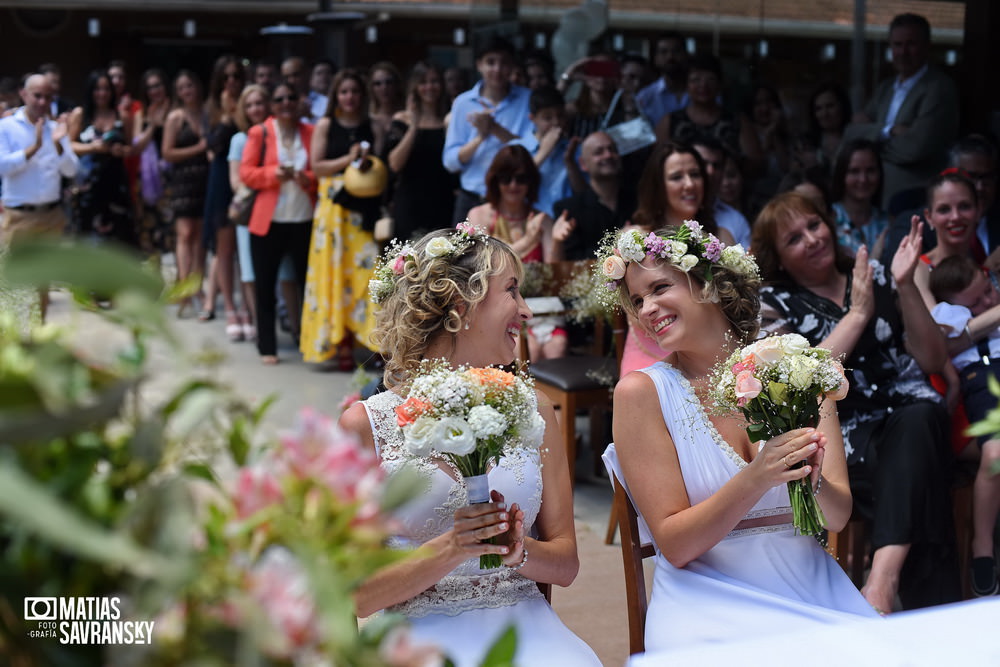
<point>336,310</point>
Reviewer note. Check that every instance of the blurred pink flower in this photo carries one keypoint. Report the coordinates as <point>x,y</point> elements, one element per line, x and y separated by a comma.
<point>280,585</point>
<point>399,650</point>
<point>319,450</point>
<point>256,487</point>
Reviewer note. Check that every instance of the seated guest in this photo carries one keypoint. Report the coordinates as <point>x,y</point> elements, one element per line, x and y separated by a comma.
<point>857,195</point>
<point>894,425</point>
<point>726,217</point>
<point>606,204</point>
<point>968,309</point>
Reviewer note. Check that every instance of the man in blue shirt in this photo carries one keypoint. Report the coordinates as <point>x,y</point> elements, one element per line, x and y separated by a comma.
<point>492,113</point>
<point>669,92</point>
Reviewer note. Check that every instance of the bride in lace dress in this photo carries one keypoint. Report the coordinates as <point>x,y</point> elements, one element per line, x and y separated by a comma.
<point>729,563</point>
<point>463,305</point>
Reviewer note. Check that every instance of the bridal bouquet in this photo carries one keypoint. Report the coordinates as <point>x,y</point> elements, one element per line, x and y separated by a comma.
<point>778,383</point>
<point>468,416</point>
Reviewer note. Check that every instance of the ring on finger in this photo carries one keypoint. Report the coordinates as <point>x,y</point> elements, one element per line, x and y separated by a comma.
<point>784,459</point>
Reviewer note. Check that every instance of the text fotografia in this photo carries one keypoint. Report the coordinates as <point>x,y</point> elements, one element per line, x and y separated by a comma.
<point>84,621</point>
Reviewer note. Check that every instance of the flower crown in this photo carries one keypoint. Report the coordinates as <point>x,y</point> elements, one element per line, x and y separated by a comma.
<point>687,247</point>
<point>393,261</point>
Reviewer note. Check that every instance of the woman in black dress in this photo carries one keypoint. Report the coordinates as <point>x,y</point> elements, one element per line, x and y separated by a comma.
<point>185,147</point>
<point>101,203</point>
<point>425,191</point>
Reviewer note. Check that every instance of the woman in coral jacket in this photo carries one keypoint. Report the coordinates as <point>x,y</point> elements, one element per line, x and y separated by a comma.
<point>276,165</point>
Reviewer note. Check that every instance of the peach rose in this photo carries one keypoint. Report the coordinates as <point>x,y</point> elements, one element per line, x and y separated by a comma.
<point>747,387</point>
<point>410,409</point>
<point>614,267</point>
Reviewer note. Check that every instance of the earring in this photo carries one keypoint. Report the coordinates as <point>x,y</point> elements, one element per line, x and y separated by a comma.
<point>466,327</point>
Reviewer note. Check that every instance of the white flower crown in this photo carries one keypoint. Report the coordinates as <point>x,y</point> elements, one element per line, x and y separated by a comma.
<point>392,263</point>
<point>687,247</point>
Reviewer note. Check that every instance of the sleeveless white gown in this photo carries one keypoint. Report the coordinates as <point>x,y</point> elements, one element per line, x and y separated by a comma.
<point>466,611</point>
<point>755,582</point>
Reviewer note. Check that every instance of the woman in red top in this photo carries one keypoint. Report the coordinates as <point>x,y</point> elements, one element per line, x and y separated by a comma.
<point>281,222</point>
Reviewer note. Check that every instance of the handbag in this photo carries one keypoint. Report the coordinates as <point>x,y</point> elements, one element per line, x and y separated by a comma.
<point>241,206</point>
<point>631,135</point>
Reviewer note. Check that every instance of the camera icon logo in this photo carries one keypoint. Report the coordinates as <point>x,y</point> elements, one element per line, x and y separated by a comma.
<point>41,609</point>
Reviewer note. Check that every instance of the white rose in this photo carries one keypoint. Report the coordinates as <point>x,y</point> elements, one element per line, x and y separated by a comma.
<point>631,247</point>
<point>794,343</point>
<point>456,436</point>
<point>486,421</point>
<point>687,263</point>
<point>421,435</point>
<point>438,247</point>
<point>768,351</point>
<point>800,372</point>
<point>614,267</point>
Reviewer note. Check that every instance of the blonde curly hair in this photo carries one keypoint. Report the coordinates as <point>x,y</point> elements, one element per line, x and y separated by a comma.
<point>737,294</point>
<point>431,295</point>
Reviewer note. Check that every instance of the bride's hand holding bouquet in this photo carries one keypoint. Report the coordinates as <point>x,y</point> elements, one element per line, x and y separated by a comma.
<point>778,384</point>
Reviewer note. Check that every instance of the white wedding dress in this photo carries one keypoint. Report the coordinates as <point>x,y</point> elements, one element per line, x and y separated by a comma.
<point>756,581</point>
<point>468,609</point>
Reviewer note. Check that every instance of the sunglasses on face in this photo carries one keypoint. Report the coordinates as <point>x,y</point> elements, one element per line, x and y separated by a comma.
<point>520,179</point>
<point>286,98</point>
<point>383,82</point>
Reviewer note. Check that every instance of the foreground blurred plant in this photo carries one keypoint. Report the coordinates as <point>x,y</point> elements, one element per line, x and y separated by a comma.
<point>243,552</point>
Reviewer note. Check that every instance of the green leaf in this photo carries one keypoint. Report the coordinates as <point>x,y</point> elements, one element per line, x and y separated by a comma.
<point>201,471</point>
<point>30,505</point>
<point>501,654</point>
<point>36,262</point>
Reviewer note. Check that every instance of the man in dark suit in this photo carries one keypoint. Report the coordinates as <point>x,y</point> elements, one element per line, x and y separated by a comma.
<point>914,115</point>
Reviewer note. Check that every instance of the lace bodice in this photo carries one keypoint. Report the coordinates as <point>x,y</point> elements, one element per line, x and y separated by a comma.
<point>517,476</point>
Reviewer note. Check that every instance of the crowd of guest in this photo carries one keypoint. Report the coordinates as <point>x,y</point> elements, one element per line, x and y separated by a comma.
<point>290,176</point>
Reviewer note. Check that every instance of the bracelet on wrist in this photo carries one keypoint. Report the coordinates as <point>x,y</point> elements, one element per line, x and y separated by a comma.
<point>524,559</point>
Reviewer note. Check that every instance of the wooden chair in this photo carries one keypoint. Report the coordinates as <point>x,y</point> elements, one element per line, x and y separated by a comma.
<point>572,383</point>
<point>637,545</point>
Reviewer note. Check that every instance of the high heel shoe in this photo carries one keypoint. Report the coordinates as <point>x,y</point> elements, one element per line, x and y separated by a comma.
<point>234,330</point>
<point>248,328</point>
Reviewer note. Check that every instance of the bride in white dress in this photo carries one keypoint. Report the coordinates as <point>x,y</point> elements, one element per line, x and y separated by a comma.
<point>729,563</point>
<point>463,305</point>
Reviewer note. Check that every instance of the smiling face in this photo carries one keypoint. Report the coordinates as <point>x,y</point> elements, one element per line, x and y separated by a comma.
<point>430,88</point>
<point>495,322</point>
<point>156,91</point>
<point>806,248</point>
<point>861,180</point>
<point>666,306</point>
<point>954,215</point>
<point>37,97</point>
<point>255,107</point>
<point>285,103</point>
<point>495,68</point>
<point>685,185</point>
<point>186,90</point>
<point>703,86</point>
<point>233,77</point>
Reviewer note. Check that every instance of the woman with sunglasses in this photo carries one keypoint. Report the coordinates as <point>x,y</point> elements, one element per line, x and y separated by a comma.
<point>336,309</point>
<point>281,222</point>
<point>385,95</point>
<point>509,214</point>
<point>225,87</point>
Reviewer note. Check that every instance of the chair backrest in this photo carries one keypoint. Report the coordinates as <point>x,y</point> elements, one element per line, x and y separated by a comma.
<point>637,545</point>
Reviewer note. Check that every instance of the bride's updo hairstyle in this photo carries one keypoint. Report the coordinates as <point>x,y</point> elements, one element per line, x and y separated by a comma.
<point>428,287</point>
<point>725,275</point>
